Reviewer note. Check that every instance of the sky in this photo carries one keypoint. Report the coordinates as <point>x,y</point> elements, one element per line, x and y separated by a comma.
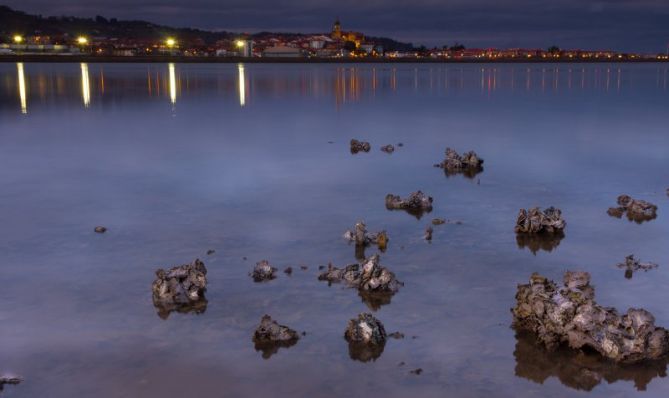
<point>622,25</point>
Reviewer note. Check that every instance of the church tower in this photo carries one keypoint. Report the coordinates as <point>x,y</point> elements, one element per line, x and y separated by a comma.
<point>336,30</point>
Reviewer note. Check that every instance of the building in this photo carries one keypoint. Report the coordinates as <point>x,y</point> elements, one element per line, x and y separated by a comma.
<point>283,52</point>
<point>338,35</point>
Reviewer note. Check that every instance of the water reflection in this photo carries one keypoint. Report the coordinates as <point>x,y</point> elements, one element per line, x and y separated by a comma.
<point>537,242</point>
<point>172,83</point>
<point>22,88</point>
<point>242,84</point>
<point>164,309</point>
<point>270,348</point>
<point>85,85</point>
<point>365,352</point>
<point>577,369</point>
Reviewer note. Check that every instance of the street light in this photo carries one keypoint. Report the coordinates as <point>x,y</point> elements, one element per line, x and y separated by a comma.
<point>240,43</point>
<point>81,40</point>
<point>170,42</point>
<point>18,39</point>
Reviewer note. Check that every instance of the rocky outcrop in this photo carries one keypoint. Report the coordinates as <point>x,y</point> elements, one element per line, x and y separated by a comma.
<point>631,265</point>
<point>366,337</point>
<point>417,203</point>
<point>468,164</point>
<point>263,271</point>
<point>361,237</point>
<point>569,315</point>
<point>636,210</point>
<point>180,289</point>
<point>269,336</point>
<point>534,221</point>
<point>359,146</point>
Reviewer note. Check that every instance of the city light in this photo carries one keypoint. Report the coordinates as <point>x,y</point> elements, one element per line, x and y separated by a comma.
<point>81,40</point>
<point>22,88</point>
<point>18,39</point>
<point>85,85</point>
<point>242,85</point>
<point>170,42</point>
<point>240,43</point>
<point>172,83</point>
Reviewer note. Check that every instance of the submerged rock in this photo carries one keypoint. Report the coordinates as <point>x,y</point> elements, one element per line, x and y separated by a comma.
<point>537,242</point>
<point>210,252</point>
<point>263,271</point>
<point>100,229</point>
<point>579,370</point>
<point>388,148</point>
<point>438,221</point>
<point>361,237</point>
<point>366,337</point>
<point>631,265</point>
<point>269,336</point>
<point>468,164</point>
<point>180,289</point>
<point>359,146</point>
<point>636,210</point>
<point>569,315</point>
<point>416,203</point>
<point>428,233</point>
<point>416,371</point>
<point>534,221</point>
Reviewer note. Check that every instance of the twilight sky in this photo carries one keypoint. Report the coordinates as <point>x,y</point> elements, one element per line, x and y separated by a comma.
<point>641,25</point>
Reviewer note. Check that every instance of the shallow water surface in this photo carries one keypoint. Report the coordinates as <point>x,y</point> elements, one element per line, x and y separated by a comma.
<point>253,162</point>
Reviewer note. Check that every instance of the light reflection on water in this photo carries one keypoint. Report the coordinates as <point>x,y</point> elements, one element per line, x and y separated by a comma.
<point>256,165</point>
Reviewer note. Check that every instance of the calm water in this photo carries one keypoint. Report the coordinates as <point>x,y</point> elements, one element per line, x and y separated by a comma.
<point>253,162</point>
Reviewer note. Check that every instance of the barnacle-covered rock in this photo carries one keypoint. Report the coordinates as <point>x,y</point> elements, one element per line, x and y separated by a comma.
<point>359,146</point>
<point>631,265</point>
<point>469,163</point>
<point>263,271</point>
<point>416,203</point>
<point>534,221</point>
<point>569,315</point>
<point>180,289</point>
<point>369,276</point>
<point>269,336</point>
<point>361,237</point>
<point>366,337</point>
<point>636,210</point>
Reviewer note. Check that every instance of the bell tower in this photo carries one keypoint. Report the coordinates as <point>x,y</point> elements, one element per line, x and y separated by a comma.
<point>336,30</point>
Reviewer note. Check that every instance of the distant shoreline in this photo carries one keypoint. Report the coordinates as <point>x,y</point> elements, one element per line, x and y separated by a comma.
<point>235,60</point>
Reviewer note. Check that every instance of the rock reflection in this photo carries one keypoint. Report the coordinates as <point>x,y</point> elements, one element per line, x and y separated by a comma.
<point>365,352</point>
<point>578,370</point>
<point>469,172</point>
<point>537,242</point>
<point>375,300</point>
<point>164,309</point>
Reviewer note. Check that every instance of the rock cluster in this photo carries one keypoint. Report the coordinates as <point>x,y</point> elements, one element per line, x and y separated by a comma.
<point>631,265</point>
<point>361,237</point>
<point>416,203</point>
<point>636,210</point>
<point>366,337</point>
<point>359,146</point>
<point>180,289</point>
<point>469,163</point>
<point>569,315</point>
<point>534,221</point>
<point>269,336</point>
<point>263,271</point>
<point>369,277</point>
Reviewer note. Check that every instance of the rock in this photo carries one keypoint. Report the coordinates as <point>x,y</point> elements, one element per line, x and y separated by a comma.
<point>416,203</point>
<point>359,146</point>
<point>467,164</point>
<point>416,371</point>
<point>180,289</point>
<point>210,252</point>
<point>579,370</point>
<point>438,221</point>
<point>632,265</point>
<point>263,271</point>
<point>288,270</point>
<point>636,210</point>
<point>269,336</point>
<point>399,144</point>
<point>537,242</point>
<point>396,335</point>
<point>9,380</point>
<point>388,148</point>
<point>428,233</point>
<point>304,267</point>
<point>361,237</point>
<point>570,316</point>
<point>366,337</point>
<point>534,221</point>
<point>369,276</point>
<point>100,229</point>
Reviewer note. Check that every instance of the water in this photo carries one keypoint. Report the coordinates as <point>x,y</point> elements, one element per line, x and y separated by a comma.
<point>253,161</point>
